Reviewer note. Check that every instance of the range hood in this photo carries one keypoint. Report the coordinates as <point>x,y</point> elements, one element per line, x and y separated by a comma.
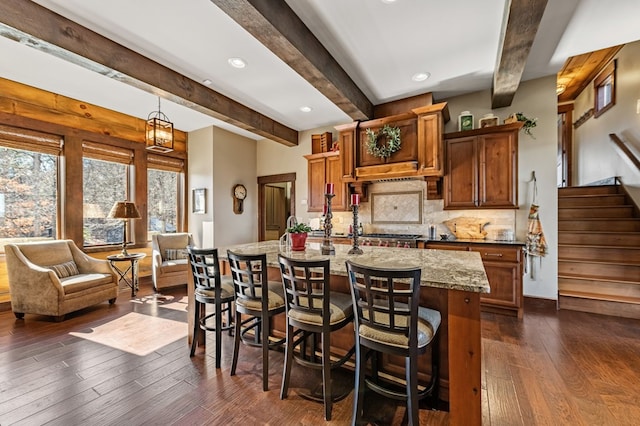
<point>419,157</point>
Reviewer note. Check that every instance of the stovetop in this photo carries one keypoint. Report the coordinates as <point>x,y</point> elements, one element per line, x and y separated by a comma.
<point>393,236</point>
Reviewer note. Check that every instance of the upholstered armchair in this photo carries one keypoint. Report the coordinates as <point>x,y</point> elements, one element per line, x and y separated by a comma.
<point>55,278</point>
<point>170,259</point>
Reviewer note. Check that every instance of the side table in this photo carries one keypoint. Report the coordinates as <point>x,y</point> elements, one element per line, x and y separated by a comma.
<point>133,259</point>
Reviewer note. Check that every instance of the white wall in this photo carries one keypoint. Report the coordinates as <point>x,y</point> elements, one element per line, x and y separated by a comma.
<point>595,155</point>
<point>218,160</point>
<point>275,158</point>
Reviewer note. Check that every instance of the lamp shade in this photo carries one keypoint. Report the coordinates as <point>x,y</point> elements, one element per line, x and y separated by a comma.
<point>124,210</point>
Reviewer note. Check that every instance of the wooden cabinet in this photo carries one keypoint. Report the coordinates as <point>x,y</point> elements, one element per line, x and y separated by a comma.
<point>482,168</point>
<point>503,265</point>
<point>325,168</point>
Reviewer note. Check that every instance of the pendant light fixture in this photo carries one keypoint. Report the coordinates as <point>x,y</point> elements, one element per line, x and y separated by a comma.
<point>159,132</point>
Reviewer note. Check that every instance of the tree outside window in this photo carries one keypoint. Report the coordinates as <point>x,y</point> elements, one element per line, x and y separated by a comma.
<point>162,203</point>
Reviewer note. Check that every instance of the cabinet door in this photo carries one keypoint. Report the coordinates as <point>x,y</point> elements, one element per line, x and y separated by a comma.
<point>461,179</point>
<point>334,174</point>
<point>504,281</point>
<point>498,165</point>
<point>316,175</point>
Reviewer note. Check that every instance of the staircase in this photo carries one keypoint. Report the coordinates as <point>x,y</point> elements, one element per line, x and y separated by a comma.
<point>598,251</point>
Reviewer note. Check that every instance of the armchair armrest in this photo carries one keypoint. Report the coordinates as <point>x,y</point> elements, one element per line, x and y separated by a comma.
<point>87,264</point>
<point>26,279</point>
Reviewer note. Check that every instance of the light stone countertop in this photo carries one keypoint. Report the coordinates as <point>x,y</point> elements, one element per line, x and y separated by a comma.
<point>454,270</point>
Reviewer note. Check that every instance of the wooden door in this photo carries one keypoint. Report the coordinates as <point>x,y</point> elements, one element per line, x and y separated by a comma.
<point>461,179</point>
<point>497,160</point>
<point>275,212</point>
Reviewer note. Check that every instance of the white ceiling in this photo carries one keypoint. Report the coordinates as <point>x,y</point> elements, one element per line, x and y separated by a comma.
<point>380,45</point>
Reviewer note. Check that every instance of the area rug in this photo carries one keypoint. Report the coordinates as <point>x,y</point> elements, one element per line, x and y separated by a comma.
<point>136,333</point>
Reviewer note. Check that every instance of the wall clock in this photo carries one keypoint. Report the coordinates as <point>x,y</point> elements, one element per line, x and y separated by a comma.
<point>239,194</point>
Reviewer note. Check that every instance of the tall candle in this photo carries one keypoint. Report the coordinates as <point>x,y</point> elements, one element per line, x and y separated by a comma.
<point>324,209</point>
<point>355,199</point>
<point>329,188</point>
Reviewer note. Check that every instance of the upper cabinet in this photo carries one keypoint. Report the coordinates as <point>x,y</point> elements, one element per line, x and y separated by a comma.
<point>482,168</point>
<point>325,167</point>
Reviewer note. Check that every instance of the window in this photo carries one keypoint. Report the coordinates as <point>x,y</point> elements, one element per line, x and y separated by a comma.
<point>105,180</point>
<point>164,192</point>
<point>28,185</point>
<point>605,89</point>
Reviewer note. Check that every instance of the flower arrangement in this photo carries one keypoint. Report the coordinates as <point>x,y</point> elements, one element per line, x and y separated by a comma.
<point>393,143</point>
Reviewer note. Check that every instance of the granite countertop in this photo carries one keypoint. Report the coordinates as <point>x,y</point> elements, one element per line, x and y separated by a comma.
<point>454,270</point>
<point>473,241</point>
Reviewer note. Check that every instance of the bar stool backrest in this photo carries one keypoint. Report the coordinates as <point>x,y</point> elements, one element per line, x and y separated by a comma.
<point>306,285</point>
<point>205,268</point>
<point>386,300</point>
<point>249,273</point>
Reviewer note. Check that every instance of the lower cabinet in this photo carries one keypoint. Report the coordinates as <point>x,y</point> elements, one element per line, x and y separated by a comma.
<point>503,264</point>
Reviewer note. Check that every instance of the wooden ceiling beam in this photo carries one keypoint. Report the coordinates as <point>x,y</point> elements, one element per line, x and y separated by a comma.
<point>279,29</point>
<point>522,19</point>
<point>38,27</point>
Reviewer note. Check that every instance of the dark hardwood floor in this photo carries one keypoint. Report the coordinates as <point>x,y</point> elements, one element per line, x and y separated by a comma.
<point>551,368</point>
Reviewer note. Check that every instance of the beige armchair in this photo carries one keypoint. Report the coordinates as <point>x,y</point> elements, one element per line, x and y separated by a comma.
<point>170,259</point>
<point>55,278</point>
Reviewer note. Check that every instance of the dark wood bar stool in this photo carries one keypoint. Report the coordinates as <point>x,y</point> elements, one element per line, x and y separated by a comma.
<point>389,320</point>
<point>312,309</point>
<point>250,280</point>
<point>210,289</point>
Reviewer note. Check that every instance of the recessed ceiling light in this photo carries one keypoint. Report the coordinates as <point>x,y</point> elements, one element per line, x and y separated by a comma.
<point>305,108</point>
<point>388,1</point>
<point>206,82</point>
<point>421,76</point>
<point>237,62</point>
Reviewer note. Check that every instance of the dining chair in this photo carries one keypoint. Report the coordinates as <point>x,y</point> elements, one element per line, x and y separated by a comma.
<point>388,319</point>
<point>312,310</point>
<point>210,288</point>
<point>250,280</point>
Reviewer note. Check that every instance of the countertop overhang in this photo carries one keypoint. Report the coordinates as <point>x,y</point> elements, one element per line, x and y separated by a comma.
<point>452,270</point>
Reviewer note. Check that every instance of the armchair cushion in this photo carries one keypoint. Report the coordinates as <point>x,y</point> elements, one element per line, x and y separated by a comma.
<point>174,254</point>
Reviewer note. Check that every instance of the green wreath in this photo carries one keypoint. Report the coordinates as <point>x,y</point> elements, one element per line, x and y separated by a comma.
<point>392,134</point>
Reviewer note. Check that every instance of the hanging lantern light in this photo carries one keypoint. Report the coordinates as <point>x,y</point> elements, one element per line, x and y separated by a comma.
<point>159,132</point>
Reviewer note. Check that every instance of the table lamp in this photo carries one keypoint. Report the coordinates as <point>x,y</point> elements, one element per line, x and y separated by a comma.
<point>124,210</point>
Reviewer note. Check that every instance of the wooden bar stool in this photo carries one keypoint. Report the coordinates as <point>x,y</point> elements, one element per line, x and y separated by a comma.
<point>250,280</point>
<point>213,289</point>
<point>389,320</point>
<point>312,309</point>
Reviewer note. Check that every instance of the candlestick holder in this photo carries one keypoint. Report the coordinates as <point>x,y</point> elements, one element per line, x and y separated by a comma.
<point>355,249</point>
<point>327,246</point>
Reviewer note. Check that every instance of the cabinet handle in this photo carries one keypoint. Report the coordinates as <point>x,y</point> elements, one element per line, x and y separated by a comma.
<point>493,254</point>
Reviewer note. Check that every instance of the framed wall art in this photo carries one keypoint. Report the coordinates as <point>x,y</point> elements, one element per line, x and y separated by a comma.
<point>199,201</point>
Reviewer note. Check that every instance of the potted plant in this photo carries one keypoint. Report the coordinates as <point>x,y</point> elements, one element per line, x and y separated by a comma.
<point>298,234</point>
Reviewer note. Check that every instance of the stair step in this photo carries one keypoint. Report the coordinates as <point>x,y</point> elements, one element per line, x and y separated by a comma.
<point>592,200</point>
<point>589,224</point>
<point>596,296</point>
<point>606,239</point>
<point>617,308</point>
<point>625,211</point>
<point>602,287</point>
<point>599,270</point>
<point>588,190</point>
<point>599,253</point>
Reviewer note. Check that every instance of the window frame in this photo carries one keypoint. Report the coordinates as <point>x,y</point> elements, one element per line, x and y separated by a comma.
<point>169,164</point>
<point>606,77</point>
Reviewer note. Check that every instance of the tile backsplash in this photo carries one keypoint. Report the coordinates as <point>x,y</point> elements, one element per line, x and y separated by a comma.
<point>497,221</point>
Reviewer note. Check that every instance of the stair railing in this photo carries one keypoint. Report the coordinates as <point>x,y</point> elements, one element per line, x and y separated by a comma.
<point>624,148</point>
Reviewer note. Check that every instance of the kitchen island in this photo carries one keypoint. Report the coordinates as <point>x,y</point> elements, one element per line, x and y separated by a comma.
<point>452,283</point>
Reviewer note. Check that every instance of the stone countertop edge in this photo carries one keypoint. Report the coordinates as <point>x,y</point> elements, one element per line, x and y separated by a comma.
<point>452,270</point>
<point>473,241</point>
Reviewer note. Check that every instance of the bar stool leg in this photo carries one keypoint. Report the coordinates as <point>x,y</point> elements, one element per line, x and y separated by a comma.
<point>196,327</point>
<point>236,343</point>
<point>288,360</point>
<point>218,332</point>
<point>411,366</point>
<point>358,393</point>
<point>265,355</point>
<point>326,376</point>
